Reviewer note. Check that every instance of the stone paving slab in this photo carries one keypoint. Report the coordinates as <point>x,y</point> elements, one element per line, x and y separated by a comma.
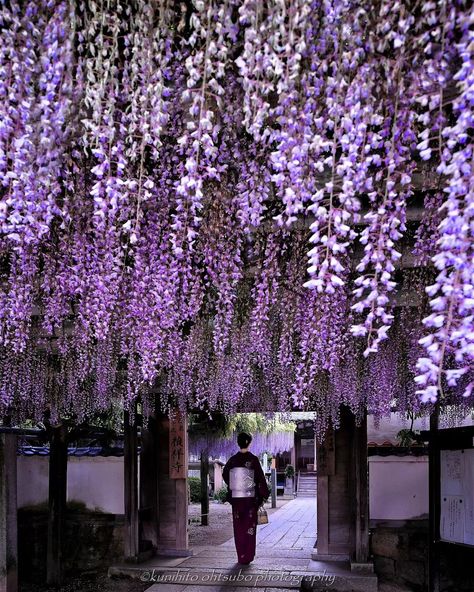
<point>174,588</point>
<point>262,551</point>
<point>251,577</point>
<point>260,562</point>
<point>293,526</point>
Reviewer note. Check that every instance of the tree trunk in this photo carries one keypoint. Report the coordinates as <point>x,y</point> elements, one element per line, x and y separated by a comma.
<point>204,488</point>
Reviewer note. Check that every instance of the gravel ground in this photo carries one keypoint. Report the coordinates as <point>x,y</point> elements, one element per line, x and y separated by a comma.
<point>220,527</point>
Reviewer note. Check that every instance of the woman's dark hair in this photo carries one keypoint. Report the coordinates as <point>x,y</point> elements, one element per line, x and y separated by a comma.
<point>244,439</point>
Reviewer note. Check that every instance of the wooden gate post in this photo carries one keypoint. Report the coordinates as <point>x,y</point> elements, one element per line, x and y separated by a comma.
<point>57,504</point>
<point>8,514</point>
<point>173,485</point>
<point>148,513</point>
<point>342,493</point>
<point>361,483</point>
<point>132,531</point>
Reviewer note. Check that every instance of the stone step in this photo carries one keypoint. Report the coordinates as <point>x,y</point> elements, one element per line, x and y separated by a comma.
<point>246,578</point>
<point>243,581</point>
<point>179,588</point>
<point>226,579</point>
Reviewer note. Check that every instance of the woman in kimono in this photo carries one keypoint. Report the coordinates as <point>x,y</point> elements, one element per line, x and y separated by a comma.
<point>247,490</point>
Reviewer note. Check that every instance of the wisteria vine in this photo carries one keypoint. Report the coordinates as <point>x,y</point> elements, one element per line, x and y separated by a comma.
<point>222,203</point>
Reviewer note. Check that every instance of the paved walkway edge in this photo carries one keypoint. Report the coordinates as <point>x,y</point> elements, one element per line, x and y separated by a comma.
<point>248,578</point>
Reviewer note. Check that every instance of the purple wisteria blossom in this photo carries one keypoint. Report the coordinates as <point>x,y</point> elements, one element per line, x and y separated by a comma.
<point>214,205</point>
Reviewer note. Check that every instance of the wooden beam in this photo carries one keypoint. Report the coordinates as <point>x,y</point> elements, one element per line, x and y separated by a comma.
<point>132,531</point>
<point>57,504</point>
<point>8,514</point>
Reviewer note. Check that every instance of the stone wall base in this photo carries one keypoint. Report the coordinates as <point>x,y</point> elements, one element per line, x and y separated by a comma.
<point>92,542</point>
<point>400,554</point>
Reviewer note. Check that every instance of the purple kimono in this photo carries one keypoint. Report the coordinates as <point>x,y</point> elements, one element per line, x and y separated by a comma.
<point>248,488</point>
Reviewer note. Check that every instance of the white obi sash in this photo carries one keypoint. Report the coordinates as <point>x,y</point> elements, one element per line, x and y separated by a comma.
<point>242,482</point>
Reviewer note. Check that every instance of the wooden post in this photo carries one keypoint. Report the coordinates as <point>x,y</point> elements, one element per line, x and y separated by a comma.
<point>8,514</point>
<point>204,488</point>
<point>57,504</point>
<point>148,514</point>
<point>335,493</point>
<point>361,493</point>
<point>273,478</point>
<point>434,502</point>
<point>131,534</point>
<point>173,486</point>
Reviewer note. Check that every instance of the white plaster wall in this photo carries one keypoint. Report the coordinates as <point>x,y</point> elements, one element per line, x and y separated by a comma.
<point>398,487</point>
<point>389,427</point>
<point>95,481</point>
<point>33,477</point>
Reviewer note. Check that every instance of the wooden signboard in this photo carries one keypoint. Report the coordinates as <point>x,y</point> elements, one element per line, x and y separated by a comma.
<point>178,454</point>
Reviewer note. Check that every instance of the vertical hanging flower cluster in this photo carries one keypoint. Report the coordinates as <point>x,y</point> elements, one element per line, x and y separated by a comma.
<point>206,68</point>
<point>218,200</point>
<point>223,262</point>
<point>385,221</point>
<point>335,203</point>
<point>450,343</point>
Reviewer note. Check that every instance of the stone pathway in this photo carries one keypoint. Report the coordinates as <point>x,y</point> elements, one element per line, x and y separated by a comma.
<point>283,562</point>
<point>220,527</point>
<point>292,528</point>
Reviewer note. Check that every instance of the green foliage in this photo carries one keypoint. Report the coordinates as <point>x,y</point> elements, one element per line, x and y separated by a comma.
<point>194,488</point>
<point>220,494</point>
<point>258,423</point>
<point>406,437</point>
<point>207,424</point>
<point>289,471</point>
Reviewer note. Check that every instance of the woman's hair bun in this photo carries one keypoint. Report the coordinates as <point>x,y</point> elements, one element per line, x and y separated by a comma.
<point>244,439</point>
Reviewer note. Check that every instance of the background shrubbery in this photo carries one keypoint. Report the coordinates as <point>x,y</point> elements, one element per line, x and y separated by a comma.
<point>221,494</point>
<point>194,489</point>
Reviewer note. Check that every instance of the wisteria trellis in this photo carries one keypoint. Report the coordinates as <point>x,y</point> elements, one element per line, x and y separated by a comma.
<point>210,197</point>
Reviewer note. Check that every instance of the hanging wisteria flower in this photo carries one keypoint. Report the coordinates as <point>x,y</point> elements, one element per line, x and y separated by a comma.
<point>215,201</point>
<point>452,295</point>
